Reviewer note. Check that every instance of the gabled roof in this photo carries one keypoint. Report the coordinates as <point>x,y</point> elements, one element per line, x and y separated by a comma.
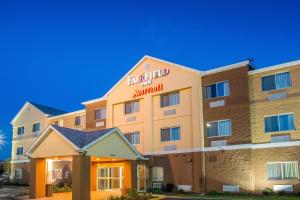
<point>133,68</point>
<point>46,110</point>
<point>81,138</point>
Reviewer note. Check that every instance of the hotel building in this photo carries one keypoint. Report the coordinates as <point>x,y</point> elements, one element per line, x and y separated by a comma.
<point>233,128</point>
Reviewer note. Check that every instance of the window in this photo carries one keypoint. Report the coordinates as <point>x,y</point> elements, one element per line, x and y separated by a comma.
<point>18,173</point>
<point>170,134</point>
<point>21,130</point>
<point>280,138</point>
<point>109,178</point>
<point>284,122</point>
<point>276,81</point>
<point>133,138</point>
<point>100,113</point>
<point>36,127</point>
<point>220,89</point>
<point>77,120</point>
<point>57,174</point>
<point>282,170</point>
<point>132,107</point>
<point>169,99</point>
<point>20,151</point>
<point>157,174</point>
<point>218,128</point>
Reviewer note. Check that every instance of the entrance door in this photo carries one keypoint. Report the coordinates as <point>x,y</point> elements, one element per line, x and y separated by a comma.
<point>109,178</point>
<point>141,178</point>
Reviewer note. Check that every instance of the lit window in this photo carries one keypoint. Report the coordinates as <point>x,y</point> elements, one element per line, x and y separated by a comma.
<point>132,107</point>
<point>20,151</point>
<point>276,81</point>
<point>282,170</point>
<point>169,99</point>
<point>57,174</point>
<point>218,128</point>
<point>36,127</point>
<point>21,130</point>
<point>157,174</point>
<point>100,113</point>
<point>276,123</point>
<point>220,89</point>
<point>77,121</point>
<point>133,138</point>
<point>170,134</point>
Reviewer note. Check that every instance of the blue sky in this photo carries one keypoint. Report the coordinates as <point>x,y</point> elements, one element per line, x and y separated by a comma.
<point>61,53</point>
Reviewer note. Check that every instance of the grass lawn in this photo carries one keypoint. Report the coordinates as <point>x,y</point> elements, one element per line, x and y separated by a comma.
<point>237,197</point>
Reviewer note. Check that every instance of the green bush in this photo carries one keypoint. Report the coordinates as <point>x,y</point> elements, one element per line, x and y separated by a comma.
<point>227,193</point>
<point>150,190</point>
<point>57,189</point>
<point>282,192</point>
<point>213,193</point>
<point>157,191</point>
<point>267,191</point>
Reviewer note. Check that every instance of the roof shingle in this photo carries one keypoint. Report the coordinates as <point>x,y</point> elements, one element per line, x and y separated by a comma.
<point>48,110</point>
<point>81,138</point>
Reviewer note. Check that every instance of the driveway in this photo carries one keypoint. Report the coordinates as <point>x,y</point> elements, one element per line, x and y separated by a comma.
<point>10,192</point>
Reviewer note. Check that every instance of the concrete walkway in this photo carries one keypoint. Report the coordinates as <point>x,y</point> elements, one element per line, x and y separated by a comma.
<point>10,192</point>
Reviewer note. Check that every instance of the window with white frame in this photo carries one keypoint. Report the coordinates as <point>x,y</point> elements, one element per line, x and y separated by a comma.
<point>57,174</point>
<point>282,170</point>
<point>277,123</point>
<point>77,120</point>
<point>220,89</point>
<point>133,138</point>
<point>21,130</point>
<point>276,81</point>
<point>18,173</point>
<point>36,127</point>
<point>157,174</point>
<point>132,107</point>
<point>20,151</point>
<point>170,134</point>
<point>218,128</point>
<point>100,113</point>
<point>169,99</point>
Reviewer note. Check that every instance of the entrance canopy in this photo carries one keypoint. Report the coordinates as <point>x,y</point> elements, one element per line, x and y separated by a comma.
<point>60,141</point>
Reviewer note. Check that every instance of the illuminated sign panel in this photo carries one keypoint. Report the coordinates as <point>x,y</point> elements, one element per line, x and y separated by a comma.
<point>146,78</point>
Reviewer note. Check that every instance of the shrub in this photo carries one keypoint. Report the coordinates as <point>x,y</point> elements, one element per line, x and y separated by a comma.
<point>168,187</point>
<point>157,191</point>
<point>282,192</point>
<point>227,193</point>
<point>213,193</point>
<point>149,190</point>
<point>267,191</point>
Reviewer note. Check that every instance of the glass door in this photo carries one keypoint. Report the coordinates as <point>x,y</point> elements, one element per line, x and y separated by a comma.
<point>109,178</point>
<point>141,178</point>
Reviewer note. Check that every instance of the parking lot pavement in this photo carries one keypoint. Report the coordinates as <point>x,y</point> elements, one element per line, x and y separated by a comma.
<point>10,192</point>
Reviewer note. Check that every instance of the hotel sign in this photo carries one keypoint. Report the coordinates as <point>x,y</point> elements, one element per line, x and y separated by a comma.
<point>146,78</point>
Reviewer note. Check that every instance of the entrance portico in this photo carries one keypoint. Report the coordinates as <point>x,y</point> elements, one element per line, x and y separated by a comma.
<point>101,161</point>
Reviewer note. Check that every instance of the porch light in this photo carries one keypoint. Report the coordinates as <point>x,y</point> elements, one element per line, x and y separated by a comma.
<point>97,159</point>
<point>113,159</point>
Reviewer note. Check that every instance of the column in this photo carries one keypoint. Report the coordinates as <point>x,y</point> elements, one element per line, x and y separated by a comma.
<point>81,177</point>
<point>37,178</point>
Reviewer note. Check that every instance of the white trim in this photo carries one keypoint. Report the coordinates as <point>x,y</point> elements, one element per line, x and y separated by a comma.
<point>227,67</point>
<point>22,109</point>
<point>68,114</point>
<point>45,134</point>
<point>85,148</point>
<point>228,147</point>
<point>133,68</point>
<point>274,67</point>
<point>20,161</point>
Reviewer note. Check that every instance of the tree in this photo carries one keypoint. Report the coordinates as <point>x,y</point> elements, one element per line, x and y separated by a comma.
<point>2,141</point>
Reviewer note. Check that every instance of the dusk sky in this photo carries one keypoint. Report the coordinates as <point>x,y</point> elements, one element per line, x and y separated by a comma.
<point>61,53</point>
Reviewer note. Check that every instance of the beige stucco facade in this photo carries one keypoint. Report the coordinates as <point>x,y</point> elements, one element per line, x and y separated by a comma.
<point>237,162</point>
